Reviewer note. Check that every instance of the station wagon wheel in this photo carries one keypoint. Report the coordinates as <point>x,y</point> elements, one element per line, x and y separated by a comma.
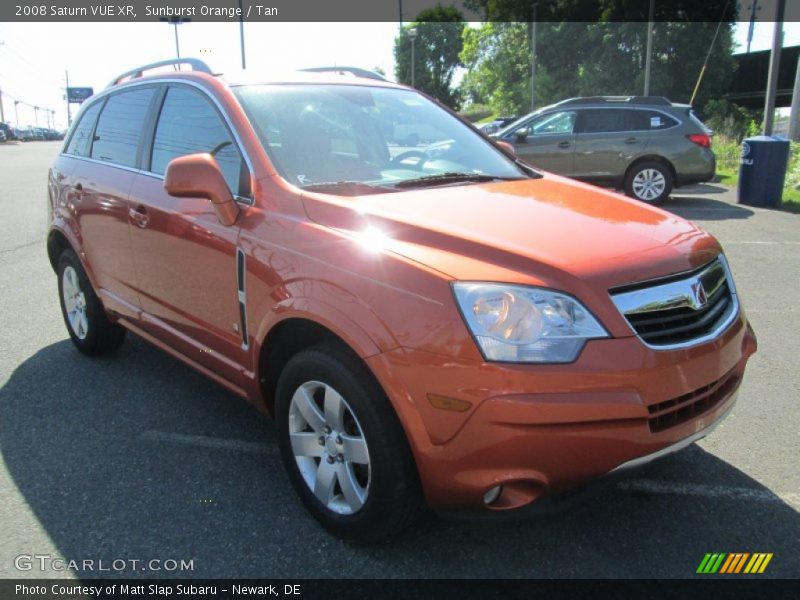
<point>343,446</point>
<point>87,323</point>
<point>329,447</point>
<point>649,182</point>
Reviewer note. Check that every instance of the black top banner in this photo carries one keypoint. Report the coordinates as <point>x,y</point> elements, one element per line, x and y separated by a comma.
<point>381,10</point>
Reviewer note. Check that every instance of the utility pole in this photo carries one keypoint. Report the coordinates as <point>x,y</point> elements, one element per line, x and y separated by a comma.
<point>69,116</point>
<point>753,8</point>
<point>412,34</point>
<point>649,52</point>
<point>774,64</point>
<point>241,33</point>
<point>794,116</point>
<point>533,55</point>
<point>16,113</point>
<point>36,115</point>
<point>175,21</point>
<point>2,113</point>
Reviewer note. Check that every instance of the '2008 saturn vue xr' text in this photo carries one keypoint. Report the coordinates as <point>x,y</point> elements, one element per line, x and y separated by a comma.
<point>433,325</point>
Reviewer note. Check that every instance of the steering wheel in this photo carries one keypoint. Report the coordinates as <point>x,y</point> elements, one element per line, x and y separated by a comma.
<point>420,156</point>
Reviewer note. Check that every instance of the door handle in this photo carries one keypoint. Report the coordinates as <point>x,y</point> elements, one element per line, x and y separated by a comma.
<point>139,216</point>
<point>632,140</point>
<point>564,144</point>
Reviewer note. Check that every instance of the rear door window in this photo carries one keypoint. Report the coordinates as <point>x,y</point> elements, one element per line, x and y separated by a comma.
<point>188,124</point>
<point>120,125</point>
<point>80,143</point>
<point>602,120</point>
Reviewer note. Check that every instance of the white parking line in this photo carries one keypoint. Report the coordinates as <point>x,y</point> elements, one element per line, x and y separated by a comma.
<point>709,491</point>
<point>209,442</point>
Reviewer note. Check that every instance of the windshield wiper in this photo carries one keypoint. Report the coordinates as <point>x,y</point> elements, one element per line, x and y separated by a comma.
<point>446,178</point>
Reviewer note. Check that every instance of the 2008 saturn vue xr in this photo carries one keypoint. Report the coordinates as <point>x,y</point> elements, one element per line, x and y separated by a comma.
<point>433,325</point>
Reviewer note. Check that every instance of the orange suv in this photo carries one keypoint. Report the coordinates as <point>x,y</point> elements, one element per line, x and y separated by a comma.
<point>431,325</point>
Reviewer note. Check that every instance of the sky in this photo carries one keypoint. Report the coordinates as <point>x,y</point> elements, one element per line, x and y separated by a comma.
<point>35,56</point>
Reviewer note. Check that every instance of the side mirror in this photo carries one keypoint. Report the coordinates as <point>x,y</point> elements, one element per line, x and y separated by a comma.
<point>507,147</point>
<point>198,176</point>
<point>522,134</point>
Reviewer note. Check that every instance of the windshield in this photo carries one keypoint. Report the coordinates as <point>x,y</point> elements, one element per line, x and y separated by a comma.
<point>368,139</point>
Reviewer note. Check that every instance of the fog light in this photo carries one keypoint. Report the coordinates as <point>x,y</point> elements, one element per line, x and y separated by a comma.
<point>492,495</point>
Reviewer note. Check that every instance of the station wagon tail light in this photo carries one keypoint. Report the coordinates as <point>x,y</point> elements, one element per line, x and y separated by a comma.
<point>525,324</point>
<point>701,139</point>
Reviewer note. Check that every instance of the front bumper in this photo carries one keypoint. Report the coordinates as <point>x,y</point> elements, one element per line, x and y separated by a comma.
<point>542,431</point>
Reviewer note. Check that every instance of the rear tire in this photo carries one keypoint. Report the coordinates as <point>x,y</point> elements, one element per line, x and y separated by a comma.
<point>343,446</point>
<point>649,181</point>
<point>87,322</point>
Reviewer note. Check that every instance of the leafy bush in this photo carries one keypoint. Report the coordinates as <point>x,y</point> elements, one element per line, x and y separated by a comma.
<point>793,170</point>
<point>476,112</point>
<point>727,150</point>
<point>730,120</point>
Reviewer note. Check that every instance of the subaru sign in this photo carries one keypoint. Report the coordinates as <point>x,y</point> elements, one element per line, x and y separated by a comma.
<point>78,94</point>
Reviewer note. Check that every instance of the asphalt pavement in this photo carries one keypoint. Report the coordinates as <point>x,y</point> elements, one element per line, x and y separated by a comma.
<point>138,457</point>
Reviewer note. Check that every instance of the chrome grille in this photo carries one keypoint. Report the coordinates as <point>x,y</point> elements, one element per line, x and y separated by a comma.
<point>682,310</point>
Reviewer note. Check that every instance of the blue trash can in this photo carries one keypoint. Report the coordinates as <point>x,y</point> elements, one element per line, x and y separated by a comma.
<point>762,170</point>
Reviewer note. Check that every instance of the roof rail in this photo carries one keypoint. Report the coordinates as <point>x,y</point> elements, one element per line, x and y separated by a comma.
<point>652,100</point>
<point>196,64</point>
<point>351,70</point>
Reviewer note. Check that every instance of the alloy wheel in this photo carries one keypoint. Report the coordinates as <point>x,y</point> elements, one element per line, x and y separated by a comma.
<point>329,447</point>
<point>74,303</point>
<point>649,184</point>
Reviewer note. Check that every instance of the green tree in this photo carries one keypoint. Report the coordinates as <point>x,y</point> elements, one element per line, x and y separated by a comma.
<point>436,53</point>
<point>604,54</point>
<point>497,60</point>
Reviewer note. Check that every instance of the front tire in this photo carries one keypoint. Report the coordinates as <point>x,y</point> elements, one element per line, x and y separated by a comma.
<point>87,323</point>
<point>649,181</point>
<point>343,447</point>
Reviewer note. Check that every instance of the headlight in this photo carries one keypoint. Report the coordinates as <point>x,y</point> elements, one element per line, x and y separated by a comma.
<point>525,324</point>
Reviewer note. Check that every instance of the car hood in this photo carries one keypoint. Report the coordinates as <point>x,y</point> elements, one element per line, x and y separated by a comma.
<point>549,231</point>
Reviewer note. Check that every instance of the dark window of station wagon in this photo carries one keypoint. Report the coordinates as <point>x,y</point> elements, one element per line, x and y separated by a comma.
<point>116,139</point>
<point>79,144</point>
<point>189,124</point>
<point>603,120</point>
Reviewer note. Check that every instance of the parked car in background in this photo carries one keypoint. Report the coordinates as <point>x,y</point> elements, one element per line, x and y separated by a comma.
<point>645,145</point>
<point>26,134</point>
<point>8,132</point>
<point>439,325</point>
<point>52,135</point>
<point>2,136</point>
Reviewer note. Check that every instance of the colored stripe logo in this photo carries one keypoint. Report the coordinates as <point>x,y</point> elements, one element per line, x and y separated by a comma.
<point>734,563</point>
